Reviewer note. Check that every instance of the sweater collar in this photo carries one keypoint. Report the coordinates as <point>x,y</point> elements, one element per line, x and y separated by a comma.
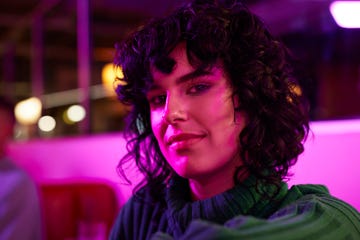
<point>243,199</point>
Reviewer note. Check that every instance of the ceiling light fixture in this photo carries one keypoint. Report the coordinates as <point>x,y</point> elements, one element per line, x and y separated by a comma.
<point>346,13</point>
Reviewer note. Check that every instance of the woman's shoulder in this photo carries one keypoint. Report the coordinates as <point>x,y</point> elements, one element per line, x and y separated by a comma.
<point>297,192</point>
<point>140,216</point>
<point>316,200</point>
<point>145,197</point>
<point>312,193</point>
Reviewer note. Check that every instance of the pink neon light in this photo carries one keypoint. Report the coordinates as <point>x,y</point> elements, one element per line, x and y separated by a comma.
<point>331,157</point>
<point>346,13</point>
<point>336,127</point>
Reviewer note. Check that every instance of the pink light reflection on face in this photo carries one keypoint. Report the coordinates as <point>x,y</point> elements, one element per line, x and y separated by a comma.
<point>199,109</point>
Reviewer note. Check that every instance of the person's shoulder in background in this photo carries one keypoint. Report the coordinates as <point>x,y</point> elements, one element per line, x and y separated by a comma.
<point>20,214</point>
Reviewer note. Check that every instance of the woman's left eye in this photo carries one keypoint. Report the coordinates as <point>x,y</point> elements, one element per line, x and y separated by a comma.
<point>198,88</point>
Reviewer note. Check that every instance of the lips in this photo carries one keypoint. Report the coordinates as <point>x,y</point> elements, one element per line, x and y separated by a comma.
<point>183,139</point>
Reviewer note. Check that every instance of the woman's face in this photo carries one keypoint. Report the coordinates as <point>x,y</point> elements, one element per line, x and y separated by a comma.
<point>193,119</point>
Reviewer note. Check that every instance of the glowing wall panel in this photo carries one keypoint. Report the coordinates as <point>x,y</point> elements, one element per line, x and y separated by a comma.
<point>92,158</point>
<point>331,157</point>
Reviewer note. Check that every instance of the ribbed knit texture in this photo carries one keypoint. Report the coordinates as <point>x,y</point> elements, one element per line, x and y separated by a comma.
<point>303,212</point>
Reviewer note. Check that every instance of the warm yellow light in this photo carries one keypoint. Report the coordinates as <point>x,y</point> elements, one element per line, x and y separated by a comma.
<point>109,74</point>
<point>47,123</point>
<point>74,113</point>
<point>28,111</point>
<point>297,90</point>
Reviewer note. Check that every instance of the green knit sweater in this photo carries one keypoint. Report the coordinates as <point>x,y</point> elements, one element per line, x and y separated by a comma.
<point>302,212</point>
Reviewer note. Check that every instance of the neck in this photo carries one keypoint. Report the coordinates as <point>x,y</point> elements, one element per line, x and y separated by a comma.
<point>202,190</point>
<point>208,187</point>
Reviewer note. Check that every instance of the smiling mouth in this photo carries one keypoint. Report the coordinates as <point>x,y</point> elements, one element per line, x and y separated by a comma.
<point>184,140</point>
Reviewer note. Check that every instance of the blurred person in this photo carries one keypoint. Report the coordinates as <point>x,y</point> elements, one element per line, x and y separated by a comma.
<point>215,125</point>
<point>20,216</point>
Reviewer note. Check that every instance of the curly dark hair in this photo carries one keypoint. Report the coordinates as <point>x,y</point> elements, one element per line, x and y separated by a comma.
<point>259,71</point>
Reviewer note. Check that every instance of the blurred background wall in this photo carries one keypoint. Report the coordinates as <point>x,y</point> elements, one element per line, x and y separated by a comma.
<point>56,51</point>
<point>331,157</point>
<point>55,58</point>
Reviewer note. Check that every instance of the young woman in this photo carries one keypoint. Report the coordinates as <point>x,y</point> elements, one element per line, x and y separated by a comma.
<point>214,127</point>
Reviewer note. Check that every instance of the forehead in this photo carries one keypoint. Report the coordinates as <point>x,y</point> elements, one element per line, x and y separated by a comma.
<point>177,64</point>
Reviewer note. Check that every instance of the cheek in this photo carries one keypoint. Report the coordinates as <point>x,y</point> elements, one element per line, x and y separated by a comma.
<point>223,111</point>
<point>226,124</point>
<point>240,119</point>
<point>156,124</point>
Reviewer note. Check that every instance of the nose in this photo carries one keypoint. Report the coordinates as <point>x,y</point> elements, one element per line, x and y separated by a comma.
<point>174,110</point>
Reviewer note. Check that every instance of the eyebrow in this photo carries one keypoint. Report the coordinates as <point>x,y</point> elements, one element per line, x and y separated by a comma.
<point>199,72</point>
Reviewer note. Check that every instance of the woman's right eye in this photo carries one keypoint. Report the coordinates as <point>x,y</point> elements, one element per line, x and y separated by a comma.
<point>158,100</point>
